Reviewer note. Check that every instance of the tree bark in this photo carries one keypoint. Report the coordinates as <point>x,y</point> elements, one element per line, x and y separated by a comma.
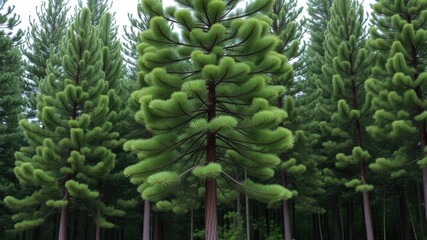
<point>285,203</point>
<point>350,220</point>
<point>75,225</point>
<point>211,219</point>
<point>238,212</point>
<point>315,227</point>
<point>63,222</point>
<point>404,217</point>
<point>191,224</point>
<point>146,227</point>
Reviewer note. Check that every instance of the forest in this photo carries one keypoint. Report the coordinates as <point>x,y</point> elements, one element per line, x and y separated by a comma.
<point>214,119</point>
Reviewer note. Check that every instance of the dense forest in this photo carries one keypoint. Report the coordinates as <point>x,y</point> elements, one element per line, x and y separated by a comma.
<point>214,119</point>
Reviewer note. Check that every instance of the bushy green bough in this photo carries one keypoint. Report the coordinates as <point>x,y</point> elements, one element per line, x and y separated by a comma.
<point>209,105</point>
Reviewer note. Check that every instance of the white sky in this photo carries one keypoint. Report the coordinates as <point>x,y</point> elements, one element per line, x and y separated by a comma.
<point>27,8</point>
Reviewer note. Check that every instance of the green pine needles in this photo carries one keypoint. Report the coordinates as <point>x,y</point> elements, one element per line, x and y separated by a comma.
<point>209,105</point>
<point>70,154</point>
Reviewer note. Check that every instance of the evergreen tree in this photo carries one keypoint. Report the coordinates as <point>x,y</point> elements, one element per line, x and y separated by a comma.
<point>207,105</point>
<point>348,62</point>
<point>42,39</point>
<point>10,108</point>
<point>97,8</point>
<point>70,155</point>
<point>398,86</point>
<point>138,24</point>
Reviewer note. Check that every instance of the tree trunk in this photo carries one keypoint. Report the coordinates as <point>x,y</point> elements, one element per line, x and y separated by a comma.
<point>285,203</point>
<point>336,219</point>
<point>350,220</point>
<point>75,225</point>
<point>211,219</point>
<point>63,222</point>
<point>238,212</point>
<point>157,222</point>
<point>191,224</point>
<point>36,233</point>
<point>315,227</point>
<point>248,219</point>
<point>404,216</point>
<point>420,210</point>
<point>97,227</point>
<point>146,227</point>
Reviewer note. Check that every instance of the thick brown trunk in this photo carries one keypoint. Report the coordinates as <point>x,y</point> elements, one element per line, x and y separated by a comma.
<point>211,219</point>
<point>336,219</point>
<point>146,227</point>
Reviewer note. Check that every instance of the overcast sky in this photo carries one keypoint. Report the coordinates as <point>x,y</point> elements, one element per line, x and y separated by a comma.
<point>27,8</point>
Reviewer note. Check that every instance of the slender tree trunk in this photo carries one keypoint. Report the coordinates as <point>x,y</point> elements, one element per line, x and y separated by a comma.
<point>248,219</point>
<point>157,222</point>
<point>211,219</point>
<point>315,227</point>
<point>350,220</point>
<point>36,233</point>
<point>75,225</point>
<point>294,225</point>
<point>420,210</point>
<point>97,227</point>
<point>191,224</point>
<point>146,230</point>
<point>86,230</point>
<point>286,215</point>
<point>365,194</point>
<point>404,216</point>
<point>63,222</point>
<point>239,212</point>
<point>384,219</point>
<point>336,220</point>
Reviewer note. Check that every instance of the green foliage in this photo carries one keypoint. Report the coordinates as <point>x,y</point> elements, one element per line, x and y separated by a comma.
<point>41,41</point>
<point>210,86</point>
<point>69,155</point>
<point>11,88</point>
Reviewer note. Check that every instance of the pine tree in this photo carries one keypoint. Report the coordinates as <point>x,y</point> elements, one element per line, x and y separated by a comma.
<point>138,24</point>
<point>70,155</point>
<point>207,105</point>
<point>42,39</point>
<point>348,62</point>
<point>398,84</point>
<point>96,7</point>
<point>10,108</point>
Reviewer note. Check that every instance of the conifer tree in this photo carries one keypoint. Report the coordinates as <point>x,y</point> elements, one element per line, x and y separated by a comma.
<point>138,24</point>
<point>97,8</point>
<point>70,154</point>
<point>42,39</point>
<point>207,105</point>
<point>398,85</point>
<point>10,107</point>
<point>348,62</point>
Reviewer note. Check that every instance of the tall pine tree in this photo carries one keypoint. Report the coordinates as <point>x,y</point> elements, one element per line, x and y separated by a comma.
<point>398,85</point>
<point>42,40</point>
<point>208,104</point>
<point>349,63</point>
<point>70,154</point>
<point>11,84</point>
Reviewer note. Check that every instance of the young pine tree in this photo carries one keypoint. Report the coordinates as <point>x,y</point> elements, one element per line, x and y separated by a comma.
<point>209,104</point>
<point>348,62</point>
<point>70,154</point>
<point>398,85</point>
<point>42,39</point>
<point>97,9</point>
<point>10,107</point>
